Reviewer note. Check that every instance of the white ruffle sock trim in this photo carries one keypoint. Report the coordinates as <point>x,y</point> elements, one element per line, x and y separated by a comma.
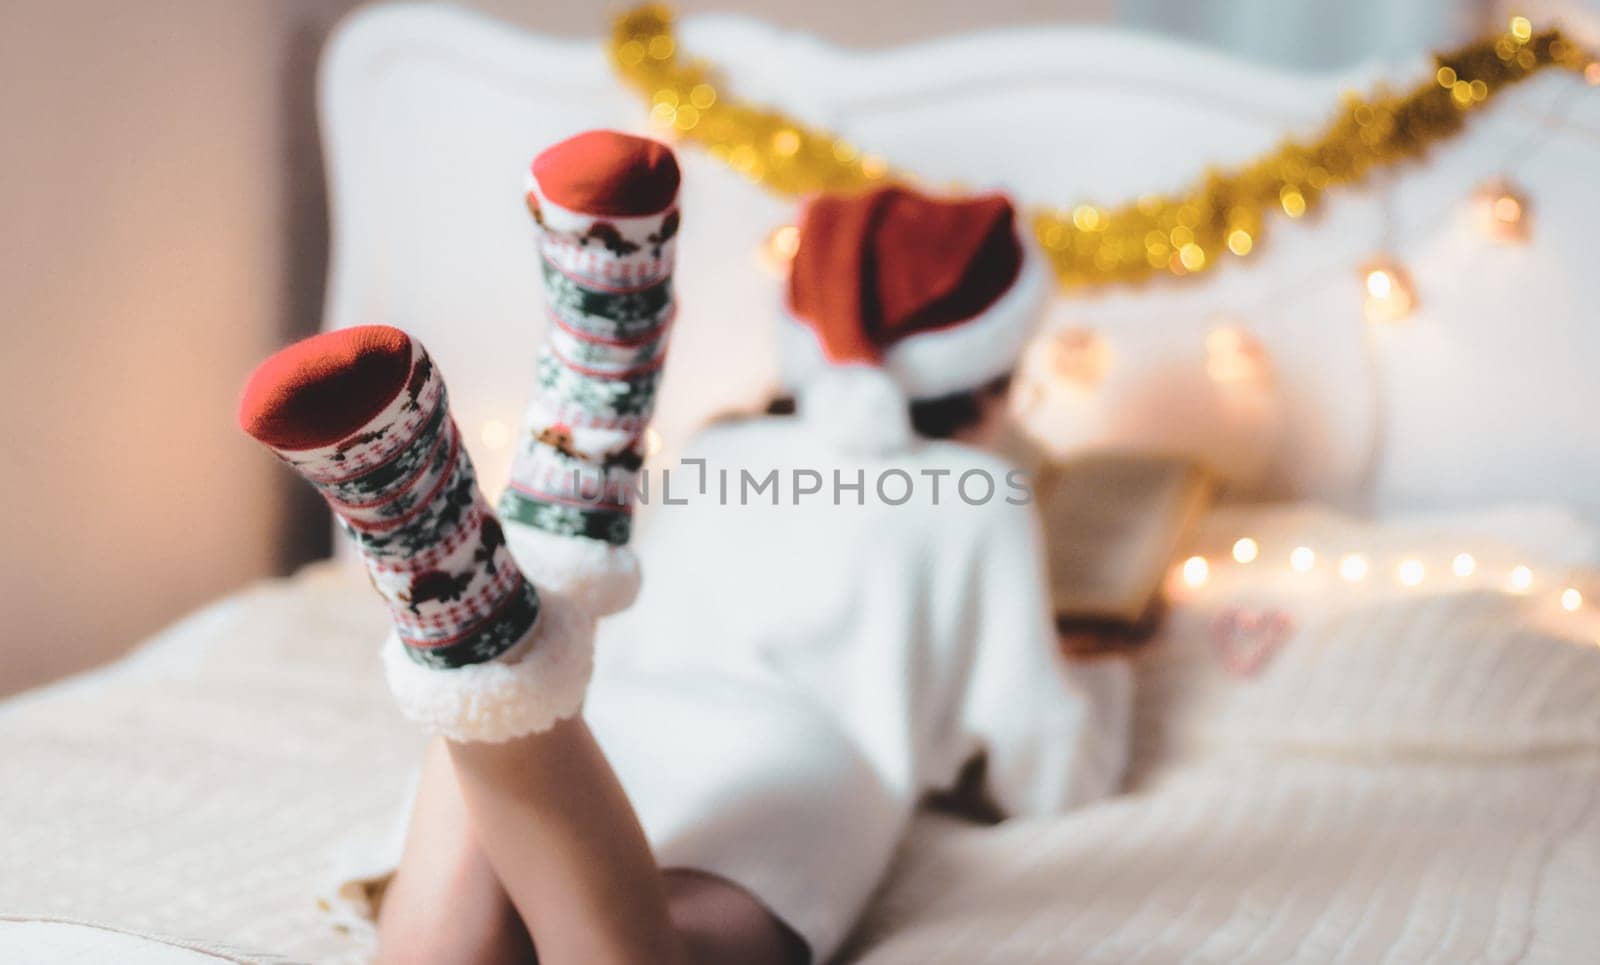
<point>599,577</point>
<point>526,690</point>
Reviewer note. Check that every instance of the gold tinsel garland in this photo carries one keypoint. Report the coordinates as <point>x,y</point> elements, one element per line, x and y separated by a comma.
<point>1223,215</point>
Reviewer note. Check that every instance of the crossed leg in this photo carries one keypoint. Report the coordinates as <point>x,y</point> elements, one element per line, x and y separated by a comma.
<point>534,837</point>
<point>445,903</point>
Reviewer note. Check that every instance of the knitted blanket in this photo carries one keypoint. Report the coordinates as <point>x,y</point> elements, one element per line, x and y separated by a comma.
<point>1325,769</point>
<point>1400,772</point>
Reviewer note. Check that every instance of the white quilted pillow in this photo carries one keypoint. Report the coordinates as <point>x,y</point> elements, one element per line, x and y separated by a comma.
<point>1262,656</point>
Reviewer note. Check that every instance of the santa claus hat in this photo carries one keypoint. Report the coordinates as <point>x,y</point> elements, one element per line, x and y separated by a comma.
<point>897,297</point>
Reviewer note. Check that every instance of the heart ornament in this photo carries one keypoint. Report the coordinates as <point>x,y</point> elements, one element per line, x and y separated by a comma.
<point>1246,640</point>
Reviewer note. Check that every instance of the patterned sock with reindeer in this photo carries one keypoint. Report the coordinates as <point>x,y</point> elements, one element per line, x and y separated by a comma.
<point>606,209</point>
<point>477,653</point>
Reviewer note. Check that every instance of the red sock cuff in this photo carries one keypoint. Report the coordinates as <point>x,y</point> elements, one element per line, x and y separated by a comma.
<point>318,391</point>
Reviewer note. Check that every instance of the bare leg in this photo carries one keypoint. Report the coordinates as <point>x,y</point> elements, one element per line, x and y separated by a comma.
<point>559,831</point>
<point>446,903</point>
<point>722,924</point>
<point>363,414</point>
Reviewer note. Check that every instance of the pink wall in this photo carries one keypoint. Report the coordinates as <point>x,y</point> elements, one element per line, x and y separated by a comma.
<point>145,189</point>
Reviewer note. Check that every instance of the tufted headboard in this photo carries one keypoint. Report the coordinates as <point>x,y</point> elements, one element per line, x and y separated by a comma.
<point>1485,395</point>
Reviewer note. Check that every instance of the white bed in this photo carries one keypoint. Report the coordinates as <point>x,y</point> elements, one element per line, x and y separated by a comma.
<point>1409,773</point>
<point>1413,776</point>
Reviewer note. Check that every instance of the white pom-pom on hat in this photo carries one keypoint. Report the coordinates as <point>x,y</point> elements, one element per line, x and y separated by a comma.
<point>859,408</point>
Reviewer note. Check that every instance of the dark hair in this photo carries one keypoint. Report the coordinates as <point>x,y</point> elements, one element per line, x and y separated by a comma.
<point>938,418</point>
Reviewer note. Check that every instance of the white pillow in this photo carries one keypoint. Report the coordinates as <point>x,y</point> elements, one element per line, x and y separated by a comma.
<point>1456,667</point>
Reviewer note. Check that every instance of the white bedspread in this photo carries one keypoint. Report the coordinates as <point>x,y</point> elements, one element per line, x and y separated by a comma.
<point>1411,774</point>
<point>204,791</point>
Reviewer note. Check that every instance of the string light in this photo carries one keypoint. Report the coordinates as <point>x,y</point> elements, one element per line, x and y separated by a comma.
<point>1234,355</point>
<point>1223,215</point>
<point>1389,296</point>
<point>779,248</point>
<point>1353,568</point>
<point>494,434</point>
<point>1502,212</point>
<point>1078,355</point>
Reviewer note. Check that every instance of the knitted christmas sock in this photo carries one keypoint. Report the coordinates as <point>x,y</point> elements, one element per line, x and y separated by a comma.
<point>606,207</point>
<point>477,652</point>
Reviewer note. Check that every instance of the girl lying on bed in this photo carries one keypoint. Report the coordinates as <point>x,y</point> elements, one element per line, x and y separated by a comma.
<point>815,650</point>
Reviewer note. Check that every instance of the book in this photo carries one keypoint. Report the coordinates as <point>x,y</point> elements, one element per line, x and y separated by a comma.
<point>1115,522</point>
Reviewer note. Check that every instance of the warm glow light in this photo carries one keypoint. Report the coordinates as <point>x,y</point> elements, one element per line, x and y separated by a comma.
<point>1502,211</point>
<point>663,115</point>
<point>1087,217</point>
<point>784,242</point>
<point>494,434</point>
<point>1591,73</point>
<point>1240,242</point>
<point>1410,572</point>
<point>1571,599</point>
<point>703,96</point>
<point>1234,355</point>
<point>1196,570</point>
<point>1521,578</point>
<point>652,442</point>
<point>779,248</point>
<point>1078,355</point>
<point>1389,295</point>
<point>1246,550</point>
<point>1353,568</point>
<point>1293,202</point>
<point>1521,28</point>
<point>1463,564</point>
<point>1302,559</point>
<point>1192,256</point>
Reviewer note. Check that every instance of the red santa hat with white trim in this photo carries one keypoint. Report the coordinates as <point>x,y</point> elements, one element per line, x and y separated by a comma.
<point>896,297</point>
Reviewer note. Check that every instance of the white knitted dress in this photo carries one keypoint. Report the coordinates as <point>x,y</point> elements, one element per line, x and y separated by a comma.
<point>795,678</point>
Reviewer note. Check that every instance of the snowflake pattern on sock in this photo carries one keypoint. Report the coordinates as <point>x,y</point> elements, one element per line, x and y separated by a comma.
<point>404,489</point>
<point>608,291</point>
